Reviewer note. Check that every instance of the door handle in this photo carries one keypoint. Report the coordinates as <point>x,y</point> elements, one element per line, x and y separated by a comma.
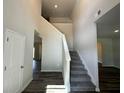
<point>22,67</point>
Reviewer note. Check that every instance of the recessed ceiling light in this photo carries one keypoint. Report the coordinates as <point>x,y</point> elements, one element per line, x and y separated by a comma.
<point>116,31</point>
<point>56,6</point>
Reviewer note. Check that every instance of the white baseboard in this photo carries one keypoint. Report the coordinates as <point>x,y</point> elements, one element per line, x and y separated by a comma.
<point>67,88</point>
<point>100,62</point>
<point>51,71</point>
<point>97,90</point>
<point>116,67</point>
<point>89,73</point>
<point>26,85</point>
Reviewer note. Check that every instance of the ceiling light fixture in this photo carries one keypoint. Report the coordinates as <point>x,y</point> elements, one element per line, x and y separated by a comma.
<point>56,6</point>
<point>116,31</point>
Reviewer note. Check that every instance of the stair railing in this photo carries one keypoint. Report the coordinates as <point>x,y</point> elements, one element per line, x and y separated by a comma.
<point>66,63</point>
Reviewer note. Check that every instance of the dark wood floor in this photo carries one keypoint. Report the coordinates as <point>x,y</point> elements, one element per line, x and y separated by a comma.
<point>41,80</point>
<point>109,79</point>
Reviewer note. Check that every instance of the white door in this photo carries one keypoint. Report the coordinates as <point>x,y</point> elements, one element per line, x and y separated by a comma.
<point>14,45</point>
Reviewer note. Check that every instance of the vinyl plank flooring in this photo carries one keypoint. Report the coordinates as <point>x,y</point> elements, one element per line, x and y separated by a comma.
<point>109,79</point>
<point>41,80</point>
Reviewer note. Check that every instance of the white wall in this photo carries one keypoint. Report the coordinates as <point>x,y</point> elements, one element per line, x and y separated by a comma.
<point>66,29</point>
<point>85,36</point>
<point>107,51</point>
<point>24,16</point>
<point>111,51</point>
<point>51,40</point>
<point>116,52</point>
<point>51,47</point>
<point>17,19</point>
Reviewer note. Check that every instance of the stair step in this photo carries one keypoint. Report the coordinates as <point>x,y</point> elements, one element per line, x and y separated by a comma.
<point>77,66</point>
<point>78,69</point>
<point>75,57</point>
<point>80,76</point>
<point>73,53</point>
<point>79,72</point>
<point>80,79</point>
<point>76,63</point>
<point>82,89</point>
<point>82,84</point>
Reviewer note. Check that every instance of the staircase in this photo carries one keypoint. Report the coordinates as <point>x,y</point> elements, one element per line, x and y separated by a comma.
<point>80,80</point>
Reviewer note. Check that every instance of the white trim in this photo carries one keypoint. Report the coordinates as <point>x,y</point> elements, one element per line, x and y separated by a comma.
<point>97,89</point>
<point>67,88</point>
<point>24,86</point>
<point>100,62</point>
<point>89,73</point>
<point>15,32</point>
<point>116,67</point>
<point>50,70</point>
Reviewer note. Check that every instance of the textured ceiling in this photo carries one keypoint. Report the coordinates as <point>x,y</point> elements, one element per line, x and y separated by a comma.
<point>110,22</point>
<point>64,9</point>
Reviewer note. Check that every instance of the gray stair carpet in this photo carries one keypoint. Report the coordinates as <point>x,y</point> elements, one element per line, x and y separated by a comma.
<point>80,80</point>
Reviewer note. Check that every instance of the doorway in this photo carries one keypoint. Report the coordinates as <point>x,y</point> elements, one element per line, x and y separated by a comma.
<point>37,54</point>
<point>108,46</point>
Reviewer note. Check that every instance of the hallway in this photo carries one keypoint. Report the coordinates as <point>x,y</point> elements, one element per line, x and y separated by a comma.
<point>45,82</point>
<point>50,29</point>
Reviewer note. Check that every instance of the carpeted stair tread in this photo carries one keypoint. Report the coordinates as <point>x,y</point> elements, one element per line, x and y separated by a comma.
<point>80,80</point>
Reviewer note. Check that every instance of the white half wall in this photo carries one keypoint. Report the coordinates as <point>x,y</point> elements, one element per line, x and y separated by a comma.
<point>66,29</point>
<point>85,34</point>
<point>51,47</point>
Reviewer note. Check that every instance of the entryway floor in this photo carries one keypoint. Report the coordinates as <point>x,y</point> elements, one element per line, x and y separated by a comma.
<point>45,82</point>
